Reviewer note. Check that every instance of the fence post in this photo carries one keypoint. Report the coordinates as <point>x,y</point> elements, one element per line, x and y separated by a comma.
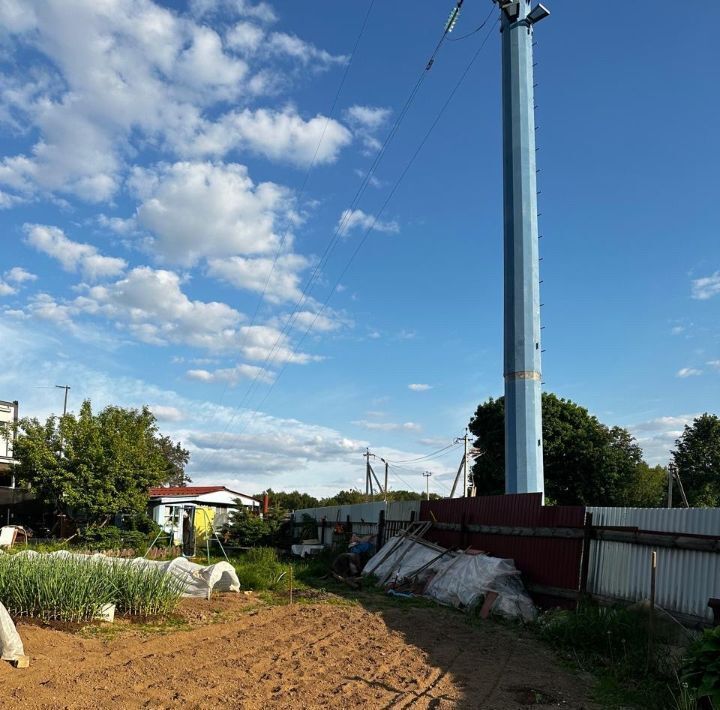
<point>381,530</point>
<point>412,516</point>
<point>323,523</point>
<point>585,563</point>
<point>348,526</point>
<point>292,528</point>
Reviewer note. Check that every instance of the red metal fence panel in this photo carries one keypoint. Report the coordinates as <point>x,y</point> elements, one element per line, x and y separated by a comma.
<point>546,561</point>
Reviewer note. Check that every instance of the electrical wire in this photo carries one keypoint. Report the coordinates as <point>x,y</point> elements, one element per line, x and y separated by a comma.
<point>289,324</point>
<point>371,227</point>
<point>475,31</point>
<point>303,185</point>
<point>425,456</point>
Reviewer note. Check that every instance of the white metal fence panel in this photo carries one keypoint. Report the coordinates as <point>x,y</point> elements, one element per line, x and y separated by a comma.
<point>685,580</point>
<point>363,516</point>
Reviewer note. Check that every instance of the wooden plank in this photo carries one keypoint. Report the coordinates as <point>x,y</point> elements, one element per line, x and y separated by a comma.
<point>653,539</point>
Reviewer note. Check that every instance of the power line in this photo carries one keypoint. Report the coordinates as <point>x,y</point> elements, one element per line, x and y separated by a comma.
<point>425,456</point>
<point>341,225</point>
<point>368,231</point>
<point>475,31</point>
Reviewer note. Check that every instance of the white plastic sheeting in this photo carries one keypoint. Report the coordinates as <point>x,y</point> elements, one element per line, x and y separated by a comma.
<point>198,580</point>
<point>454,578</point>
<point>11,646</point>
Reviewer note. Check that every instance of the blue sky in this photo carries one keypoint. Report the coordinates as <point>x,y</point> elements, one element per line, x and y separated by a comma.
<point>158,157</point>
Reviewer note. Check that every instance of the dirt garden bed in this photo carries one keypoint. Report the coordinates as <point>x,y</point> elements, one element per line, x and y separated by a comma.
<point>240,651</point>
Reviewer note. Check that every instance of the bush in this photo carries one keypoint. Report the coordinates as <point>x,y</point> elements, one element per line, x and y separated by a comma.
<point>110,537</point>
<point>249,530</point>
<point>701,667</point>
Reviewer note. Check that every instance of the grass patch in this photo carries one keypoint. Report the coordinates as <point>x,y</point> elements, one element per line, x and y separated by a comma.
<point>613,644</point>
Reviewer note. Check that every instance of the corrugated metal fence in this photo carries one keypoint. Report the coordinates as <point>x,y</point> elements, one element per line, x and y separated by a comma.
<point>518,527</point>
<point>686,579</point>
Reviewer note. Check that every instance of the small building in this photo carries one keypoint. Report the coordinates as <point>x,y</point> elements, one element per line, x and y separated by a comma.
<point>190,512</point>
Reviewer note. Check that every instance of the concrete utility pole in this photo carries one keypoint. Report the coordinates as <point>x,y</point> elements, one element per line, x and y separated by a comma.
<point>427,475</point>
<point>522,368</point>
<point>67,389</point>
<point>465,465</point>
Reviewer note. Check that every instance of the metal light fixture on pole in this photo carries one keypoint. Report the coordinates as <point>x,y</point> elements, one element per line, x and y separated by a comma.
<point>427,475</point>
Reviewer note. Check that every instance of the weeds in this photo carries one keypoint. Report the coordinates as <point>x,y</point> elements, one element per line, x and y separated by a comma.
<point>614,645</point>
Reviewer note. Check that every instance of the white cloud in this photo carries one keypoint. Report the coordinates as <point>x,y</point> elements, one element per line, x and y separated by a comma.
<point>279,279</point>
<point>369,117</point>
<point>419,387</point>
<point>677,329</point>
<point>688,372</point>
<point>197,210</point>
<point>388,426</point>
<point>283,136</point>
<point>73,256</point>
<point>657,436</point>
<point>366,121</point>
<point>232,375</point>
<point>6,289</point>
<point>715,364</point>
<point>124,75</point>
<point>706,287</point>
<point>165,413</point>
<point>251,40</point>
<point>118,225</point>
<point>19,275</point>
<point>351,220</point>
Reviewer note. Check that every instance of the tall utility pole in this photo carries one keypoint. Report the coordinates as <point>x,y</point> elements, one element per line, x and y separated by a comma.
<point>368,478</point>
<point>465,465</point>
<point>522,368</point>
<point>385,489</point>
<point>67,389</point>
<point>427,475</point>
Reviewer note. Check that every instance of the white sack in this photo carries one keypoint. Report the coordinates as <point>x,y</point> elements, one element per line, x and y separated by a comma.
<point>11,646</point>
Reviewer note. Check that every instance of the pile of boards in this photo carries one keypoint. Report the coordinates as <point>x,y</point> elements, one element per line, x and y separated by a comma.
<point>408,564</point>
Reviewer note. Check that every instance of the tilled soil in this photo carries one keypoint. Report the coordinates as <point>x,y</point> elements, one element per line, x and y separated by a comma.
<point>230,654</point>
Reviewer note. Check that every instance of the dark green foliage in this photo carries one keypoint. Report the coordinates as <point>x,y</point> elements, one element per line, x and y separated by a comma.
<point>93,466</point>
<point>697,458</point>
<point>109,537</point>
<point>586,462</point>
<point>248,529</point>
<point>701,669</point>
<point>289,501</point>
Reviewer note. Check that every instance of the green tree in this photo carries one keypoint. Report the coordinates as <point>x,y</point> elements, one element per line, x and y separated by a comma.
<point>646,487</point>
<point>176,459</point>
<point>697,458</point>
<point>248,529</point>
<point>92,466</point>
<point>585,461</point>
<point>294,500</point>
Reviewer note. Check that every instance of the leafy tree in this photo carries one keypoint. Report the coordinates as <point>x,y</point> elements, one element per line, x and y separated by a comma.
<point>646,488</point>
<point>93,466</point>
<point>697,458</point>
<point>288,502</point>
<point>343,497</point>
<point>585,461</point>
<point>177,458</point>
